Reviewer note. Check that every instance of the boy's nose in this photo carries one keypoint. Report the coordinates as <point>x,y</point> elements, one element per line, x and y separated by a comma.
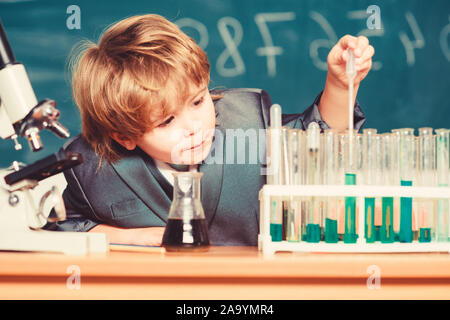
<point>193,129</point>
<point>192,126</point>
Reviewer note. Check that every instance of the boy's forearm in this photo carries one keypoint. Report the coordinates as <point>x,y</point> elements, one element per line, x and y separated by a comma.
<point>151,236</point>
<point>115,235</point>
<point>333,105</point>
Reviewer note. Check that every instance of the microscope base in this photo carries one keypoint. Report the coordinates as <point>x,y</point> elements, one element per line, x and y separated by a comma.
<point>70,243</point>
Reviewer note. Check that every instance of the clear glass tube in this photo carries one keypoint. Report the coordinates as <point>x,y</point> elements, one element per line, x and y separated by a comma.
<point>341,181</point>
<point>351,170</point>
<point>407,175</point>
<point>313,177</point>
<point>442,214</point>
<point>293,218</point>
<point>378,180</point>
<point>274,152</point>
<point>284,179</point>
<point>426,178</point>
<point>302,167</point>
<point>330,147</point>
<point>415,201</point>
<point>397,179</point>
<point>387,158</point>
<point>369,165</point>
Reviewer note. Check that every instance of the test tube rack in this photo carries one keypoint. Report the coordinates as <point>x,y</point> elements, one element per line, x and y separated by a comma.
<point>360,192</point>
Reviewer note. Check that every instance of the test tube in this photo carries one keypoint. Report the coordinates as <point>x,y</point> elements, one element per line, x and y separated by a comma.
<point>442,213</point>
<point>285,178</point>
<point>351,169</point>
<point>378,180</point>
<point>427,166</point>
<point>396,176</point>
<point>274,169</point>
<point>293,218</point>
<point>407,175</point>
<point>302,167</point>
<point>330,148</point>
<point>415,202</point>
<point>340,179</point>
<point>369,157</point>
<point>387,158</point>
<point>313,177</point>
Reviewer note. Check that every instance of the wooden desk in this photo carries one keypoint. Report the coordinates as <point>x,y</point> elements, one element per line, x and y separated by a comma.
<point>224,273</point>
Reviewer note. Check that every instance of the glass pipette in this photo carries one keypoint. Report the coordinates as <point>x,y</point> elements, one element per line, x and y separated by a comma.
<point>350,174</point>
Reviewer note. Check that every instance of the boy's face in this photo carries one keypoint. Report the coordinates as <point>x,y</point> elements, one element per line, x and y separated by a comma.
<point>186,136</point>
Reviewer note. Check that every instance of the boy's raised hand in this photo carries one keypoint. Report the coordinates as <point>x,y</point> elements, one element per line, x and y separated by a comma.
<point>338,56</point>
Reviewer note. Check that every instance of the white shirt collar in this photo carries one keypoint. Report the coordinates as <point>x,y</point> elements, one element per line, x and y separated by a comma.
<point>167,170</point>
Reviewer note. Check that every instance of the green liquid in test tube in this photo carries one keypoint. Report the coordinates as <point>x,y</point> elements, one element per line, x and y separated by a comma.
<point>407,174</point>
<point>350,235</point>
<point>276,229</point>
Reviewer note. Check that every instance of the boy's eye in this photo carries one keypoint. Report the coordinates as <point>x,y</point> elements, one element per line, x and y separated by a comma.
<point>165,123</point>
<point>199,101</point>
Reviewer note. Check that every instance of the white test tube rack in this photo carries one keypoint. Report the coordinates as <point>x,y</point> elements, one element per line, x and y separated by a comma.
<point>360,192</point>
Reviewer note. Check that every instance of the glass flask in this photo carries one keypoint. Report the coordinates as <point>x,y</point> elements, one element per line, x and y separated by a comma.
<point>187,228</point>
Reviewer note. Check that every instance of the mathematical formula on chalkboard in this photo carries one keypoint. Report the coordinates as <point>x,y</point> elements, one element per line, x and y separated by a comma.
<point>230,62</point>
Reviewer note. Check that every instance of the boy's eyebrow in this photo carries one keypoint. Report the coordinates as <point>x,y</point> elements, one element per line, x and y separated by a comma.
<point>195,95</point>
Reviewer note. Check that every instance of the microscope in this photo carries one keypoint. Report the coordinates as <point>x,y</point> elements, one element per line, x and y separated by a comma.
<point>22,216</point>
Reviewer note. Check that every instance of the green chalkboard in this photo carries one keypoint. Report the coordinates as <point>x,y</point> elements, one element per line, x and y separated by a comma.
<point>278,45</point>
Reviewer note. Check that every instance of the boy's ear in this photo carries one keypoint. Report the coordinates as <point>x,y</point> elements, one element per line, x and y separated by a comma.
<point>127,144</point>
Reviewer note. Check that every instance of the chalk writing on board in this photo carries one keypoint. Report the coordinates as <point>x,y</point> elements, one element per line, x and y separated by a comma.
<point>444,41</point>
<point>409,45</point>
<point>199,27</point>
<point>231,51</point>
<point>269,50</point>
<point>230,62</point>
<point>377,32</point>
<point>321,43</point>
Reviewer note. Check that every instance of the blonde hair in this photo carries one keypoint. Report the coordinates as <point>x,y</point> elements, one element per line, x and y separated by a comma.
<point>122,85</point>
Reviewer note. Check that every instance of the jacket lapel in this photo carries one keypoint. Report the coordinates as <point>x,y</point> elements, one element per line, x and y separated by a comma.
<point>135,173</point>
<point>212,169</point>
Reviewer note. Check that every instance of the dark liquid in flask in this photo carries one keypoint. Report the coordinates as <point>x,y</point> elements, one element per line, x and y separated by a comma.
<point>186,235</point>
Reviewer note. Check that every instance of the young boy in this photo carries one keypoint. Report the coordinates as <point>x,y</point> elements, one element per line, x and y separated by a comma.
<point>146,109</point>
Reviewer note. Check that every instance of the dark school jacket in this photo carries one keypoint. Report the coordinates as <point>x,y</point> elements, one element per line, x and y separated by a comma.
<point>132,193</point>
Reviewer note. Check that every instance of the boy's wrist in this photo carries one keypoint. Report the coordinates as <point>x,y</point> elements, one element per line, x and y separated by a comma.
<point>333,104</point>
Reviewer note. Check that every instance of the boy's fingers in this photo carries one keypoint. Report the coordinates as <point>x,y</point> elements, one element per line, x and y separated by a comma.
<point>367,54</point>
<point>362,44</point>
<point>365,66</point>
<point>348,41</point>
